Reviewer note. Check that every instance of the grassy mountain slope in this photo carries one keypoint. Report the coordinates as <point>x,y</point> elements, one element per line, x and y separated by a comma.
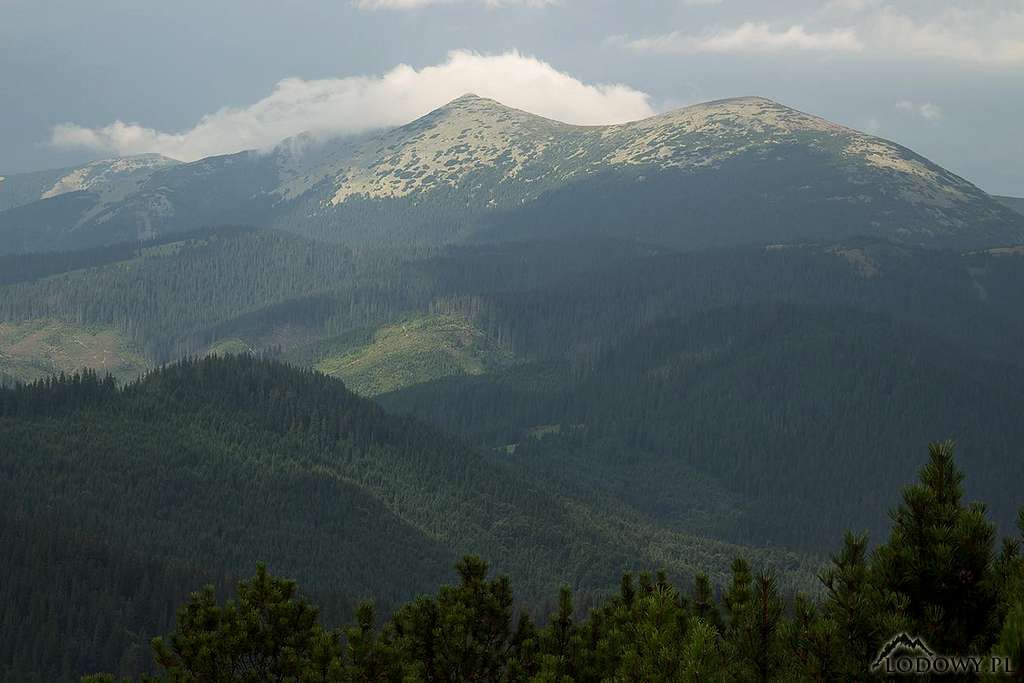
<point>110,179</point>
<point>36,349</point>
<point>412,352</point>
<point>270,290</point>
<point>71,208</point>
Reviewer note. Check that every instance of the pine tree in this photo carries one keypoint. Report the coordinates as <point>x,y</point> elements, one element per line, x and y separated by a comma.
<point>939,557</point>
<point>702,653</point>
<point>864,612</point>
<point>268,633</point>
<point>703,600</point>
<point>1011,638</point>
<point>815,646</point>
<point>466,633</point>
<point>558,641</point>
<point>370,657</point>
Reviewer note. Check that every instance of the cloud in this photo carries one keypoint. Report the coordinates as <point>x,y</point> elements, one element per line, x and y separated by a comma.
<point>351,105</point>
<point>983,38</point>
<point>926,110</point>
<point>416,4</point>
<point>750,37</point>
<point>987,34</point>
<point>850,5</point>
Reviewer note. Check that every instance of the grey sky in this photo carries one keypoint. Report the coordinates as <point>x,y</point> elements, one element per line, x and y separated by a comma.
<point>944,78</point>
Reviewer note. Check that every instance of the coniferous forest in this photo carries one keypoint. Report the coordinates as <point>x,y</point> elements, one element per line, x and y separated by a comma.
<point>940,573</point>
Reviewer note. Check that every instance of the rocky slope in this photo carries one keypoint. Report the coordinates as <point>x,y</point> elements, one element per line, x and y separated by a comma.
<point>111,179</point>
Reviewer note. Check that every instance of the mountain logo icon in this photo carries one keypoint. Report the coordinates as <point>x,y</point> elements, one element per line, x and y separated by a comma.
<point>901,642</point>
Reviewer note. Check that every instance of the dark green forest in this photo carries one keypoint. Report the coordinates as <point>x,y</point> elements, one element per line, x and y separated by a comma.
<point>636,360</point>
<point>651,410</point>
<point>202,466</point>
<point>940,575</point>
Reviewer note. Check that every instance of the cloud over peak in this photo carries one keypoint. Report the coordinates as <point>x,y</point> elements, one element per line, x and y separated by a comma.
<point>337,106</point>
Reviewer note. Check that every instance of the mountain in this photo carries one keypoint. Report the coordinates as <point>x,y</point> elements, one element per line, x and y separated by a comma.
<point>745,170</point>
<point>111,179</point>
<point>1015,203</point>
<point>62,208</point>
<point>739,171</point>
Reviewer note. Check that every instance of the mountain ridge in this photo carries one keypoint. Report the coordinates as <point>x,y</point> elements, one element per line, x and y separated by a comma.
<point>741,170</point>
<point>101,175</point>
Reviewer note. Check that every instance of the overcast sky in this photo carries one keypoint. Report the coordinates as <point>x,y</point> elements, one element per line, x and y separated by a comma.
<point>87,79</point>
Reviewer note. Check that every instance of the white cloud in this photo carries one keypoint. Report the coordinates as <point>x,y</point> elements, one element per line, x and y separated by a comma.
<point>987,39</point>
<point>926,110</point>
<point>416,4</point>
<point>987,33</point>
<point>354,104</point>
<point>750,37</point>
<point>849,5</point>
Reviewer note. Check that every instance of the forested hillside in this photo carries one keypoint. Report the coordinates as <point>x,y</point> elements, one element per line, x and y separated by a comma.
<point>939,597</point>
<point>204,465</point>
<point>621,365</point>
<point>178,297</point>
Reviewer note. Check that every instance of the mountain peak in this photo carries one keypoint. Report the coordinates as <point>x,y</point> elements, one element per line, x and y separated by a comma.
<point>732,122</point>
<point>471,103</point>
<point>468,97</point>
<point>746,98</point>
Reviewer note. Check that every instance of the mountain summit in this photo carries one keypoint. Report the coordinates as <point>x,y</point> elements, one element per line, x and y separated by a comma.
<point>734,171</point>
<point>108,177</point>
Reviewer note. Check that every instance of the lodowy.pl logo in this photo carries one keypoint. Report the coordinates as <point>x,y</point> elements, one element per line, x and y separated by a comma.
<point>910,655</point>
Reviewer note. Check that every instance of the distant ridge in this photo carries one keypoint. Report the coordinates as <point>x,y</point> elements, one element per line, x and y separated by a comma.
<point>743,170</point>
<point>1015,203</point>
